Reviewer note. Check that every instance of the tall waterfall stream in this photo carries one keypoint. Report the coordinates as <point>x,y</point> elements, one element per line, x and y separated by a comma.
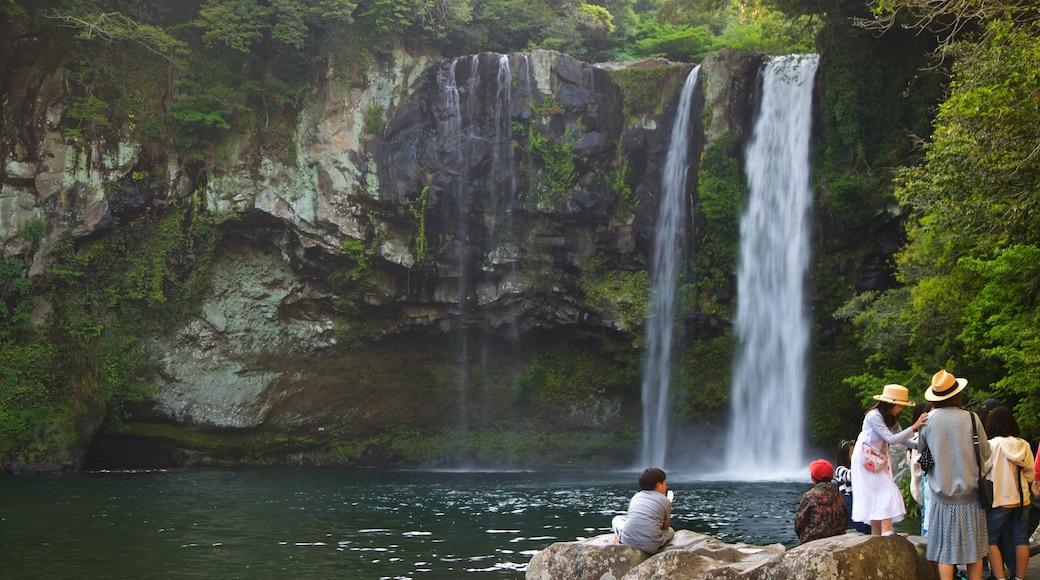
<point>665,269</point>
<point>772,323</point>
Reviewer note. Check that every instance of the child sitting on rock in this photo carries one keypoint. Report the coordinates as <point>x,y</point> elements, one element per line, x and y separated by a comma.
<point>822,512</point>
<point>648,523</point>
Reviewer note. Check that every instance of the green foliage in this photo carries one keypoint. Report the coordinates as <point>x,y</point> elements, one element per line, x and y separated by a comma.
<point>615,177</point>
<point>1002,325</point>
<point>353,283</point>
<point>114,26</point>
<point>722,195</point>
<point>646,90</point>
<point>15,295</point>
<point>199,113</point>
<point>562,374</point>
<point>702,384</point>
<point>556,156</point>
<point>85,362</point>
<point>688,31</point>
<point>877,96</point>
<point>837,408</point>
<point>617,294</point>
<point>28,404</point>
<point>374,119</point>
<point>678,43</point>
<point>970,304</point>
<point>92,109</point>
<point>248,25</point>
<point>419,213</point>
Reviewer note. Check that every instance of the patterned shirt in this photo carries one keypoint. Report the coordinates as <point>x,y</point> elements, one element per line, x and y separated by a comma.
<point>843,477</point>
<point>822,513</point>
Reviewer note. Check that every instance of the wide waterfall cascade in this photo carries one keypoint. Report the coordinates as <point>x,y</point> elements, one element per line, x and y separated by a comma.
<point>479,126</point>
<point>767,423</point>
<point>666,267</point>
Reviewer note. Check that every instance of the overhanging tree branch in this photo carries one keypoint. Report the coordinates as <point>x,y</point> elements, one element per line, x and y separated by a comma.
<point>113,27</point>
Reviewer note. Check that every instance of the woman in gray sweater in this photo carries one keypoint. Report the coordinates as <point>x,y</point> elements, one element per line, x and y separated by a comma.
<point>956,520</point>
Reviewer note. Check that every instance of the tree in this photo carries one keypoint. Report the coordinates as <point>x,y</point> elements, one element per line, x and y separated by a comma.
<point>972,296</point>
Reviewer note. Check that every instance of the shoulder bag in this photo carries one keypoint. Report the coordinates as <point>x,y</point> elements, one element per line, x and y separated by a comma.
<point>873,459</point>
<point>925,459</point>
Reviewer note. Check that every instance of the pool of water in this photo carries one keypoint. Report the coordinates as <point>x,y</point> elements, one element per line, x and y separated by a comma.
<point>267,523</point>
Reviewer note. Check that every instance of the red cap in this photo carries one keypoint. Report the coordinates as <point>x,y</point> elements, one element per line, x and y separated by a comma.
<point>821,470</point>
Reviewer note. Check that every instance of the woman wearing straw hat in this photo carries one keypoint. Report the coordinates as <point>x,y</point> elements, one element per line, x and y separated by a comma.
<point>956,521</point>
<point>876,498</point>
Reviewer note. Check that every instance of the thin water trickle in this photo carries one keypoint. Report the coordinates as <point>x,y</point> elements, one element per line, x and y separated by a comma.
<point>767,428</point>
<point>665,269</point>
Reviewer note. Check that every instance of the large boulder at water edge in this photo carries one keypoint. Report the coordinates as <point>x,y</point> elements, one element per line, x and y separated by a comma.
<point>690,555</point>
<point>698,556</point>
<point>854,556</point>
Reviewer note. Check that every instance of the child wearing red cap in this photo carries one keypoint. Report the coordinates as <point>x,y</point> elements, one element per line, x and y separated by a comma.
<point>822,512</point>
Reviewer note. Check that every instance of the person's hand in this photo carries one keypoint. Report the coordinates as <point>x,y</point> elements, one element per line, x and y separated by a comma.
<point>921,421</point>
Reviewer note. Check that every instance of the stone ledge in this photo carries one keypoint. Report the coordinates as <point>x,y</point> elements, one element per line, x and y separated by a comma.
<point>694,556</point>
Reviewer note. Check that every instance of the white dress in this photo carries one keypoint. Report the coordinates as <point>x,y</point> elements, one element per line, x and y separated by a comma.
<point>875,495</point>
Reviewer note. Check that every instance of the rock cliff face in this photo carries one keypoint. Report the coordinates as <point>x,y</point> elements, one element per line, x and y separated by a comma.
<point>400,270</point>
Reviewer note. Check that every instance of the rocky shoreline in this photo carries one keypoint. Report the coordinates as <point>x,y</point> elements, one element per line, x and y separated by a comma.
<point>698,556</point>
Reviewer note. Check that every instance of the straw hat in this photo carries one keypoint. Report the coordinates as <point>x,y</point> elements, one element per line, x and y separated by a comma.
<point>897,395</point>
<point>944,386</point>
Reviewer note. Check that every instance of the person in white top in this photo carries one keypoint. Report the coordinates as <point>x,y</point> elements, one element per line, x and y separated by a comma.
<point>1010,468</point>
<point>877,500</point>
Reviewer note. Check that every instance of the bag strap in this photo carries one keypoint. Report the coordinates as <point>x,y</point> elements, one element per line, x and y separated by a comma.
<point>1018,484</point>
<point>975,441</point>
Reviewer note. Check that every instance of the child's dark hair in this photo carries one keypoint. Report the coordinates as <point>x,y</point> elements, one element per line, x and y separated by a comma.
<point>842,455</point>
<point>650,477</point>
<point>1000,422</point>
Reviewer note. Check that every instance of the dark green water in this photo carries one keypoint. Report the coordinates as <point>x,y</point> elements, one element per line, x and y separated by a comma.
<point>336,523</point>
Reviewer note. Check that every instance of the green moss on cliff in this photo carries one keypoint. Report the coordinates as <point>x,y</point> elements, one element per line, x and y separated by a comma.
<point>703,384</point>
<point>721,197</point>
<point>646,89</point>
<point>87,362</point>
<point>620,295</point>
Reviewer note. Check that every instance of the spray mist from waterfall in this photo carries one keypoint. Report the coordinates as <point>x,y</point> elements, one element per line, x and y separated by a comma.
<point>665,269</point>
<point>772,323</point>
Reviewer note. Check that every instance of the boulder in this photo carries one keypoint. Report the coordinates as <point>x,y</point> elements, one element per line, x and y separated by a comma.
<point>698,556</point>
<point>597,557</point>
<point>853,556</point>
<point>693,555</point>
<point>690,555</point>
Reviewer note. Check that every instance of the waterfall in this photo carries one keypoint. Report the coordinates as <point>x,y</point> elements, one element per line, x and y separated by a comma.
<point>477,122</point>
<point>665,269</point>
<point>772,323</point>
<point>456,213</point>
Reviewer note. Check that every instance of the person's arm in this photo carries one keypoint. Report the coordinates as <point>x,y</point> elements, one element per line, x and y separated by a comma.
<point>1036,467</point>
<point>877,423</point>
<point>1029,471</point>
<point>801,516</point>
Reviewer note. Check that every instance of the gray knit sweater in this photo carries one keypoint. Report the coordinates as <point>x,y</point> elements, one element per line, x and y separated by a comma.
<point>948,435</point>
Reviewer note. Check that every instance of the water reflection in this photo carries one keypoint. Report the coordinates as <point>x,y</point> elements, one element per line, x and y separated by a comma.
<point>359,524</point>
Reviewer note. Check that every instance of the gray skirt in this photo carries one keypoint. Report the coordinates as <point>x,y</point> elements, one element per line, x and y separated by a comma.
<point>956,532</point>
